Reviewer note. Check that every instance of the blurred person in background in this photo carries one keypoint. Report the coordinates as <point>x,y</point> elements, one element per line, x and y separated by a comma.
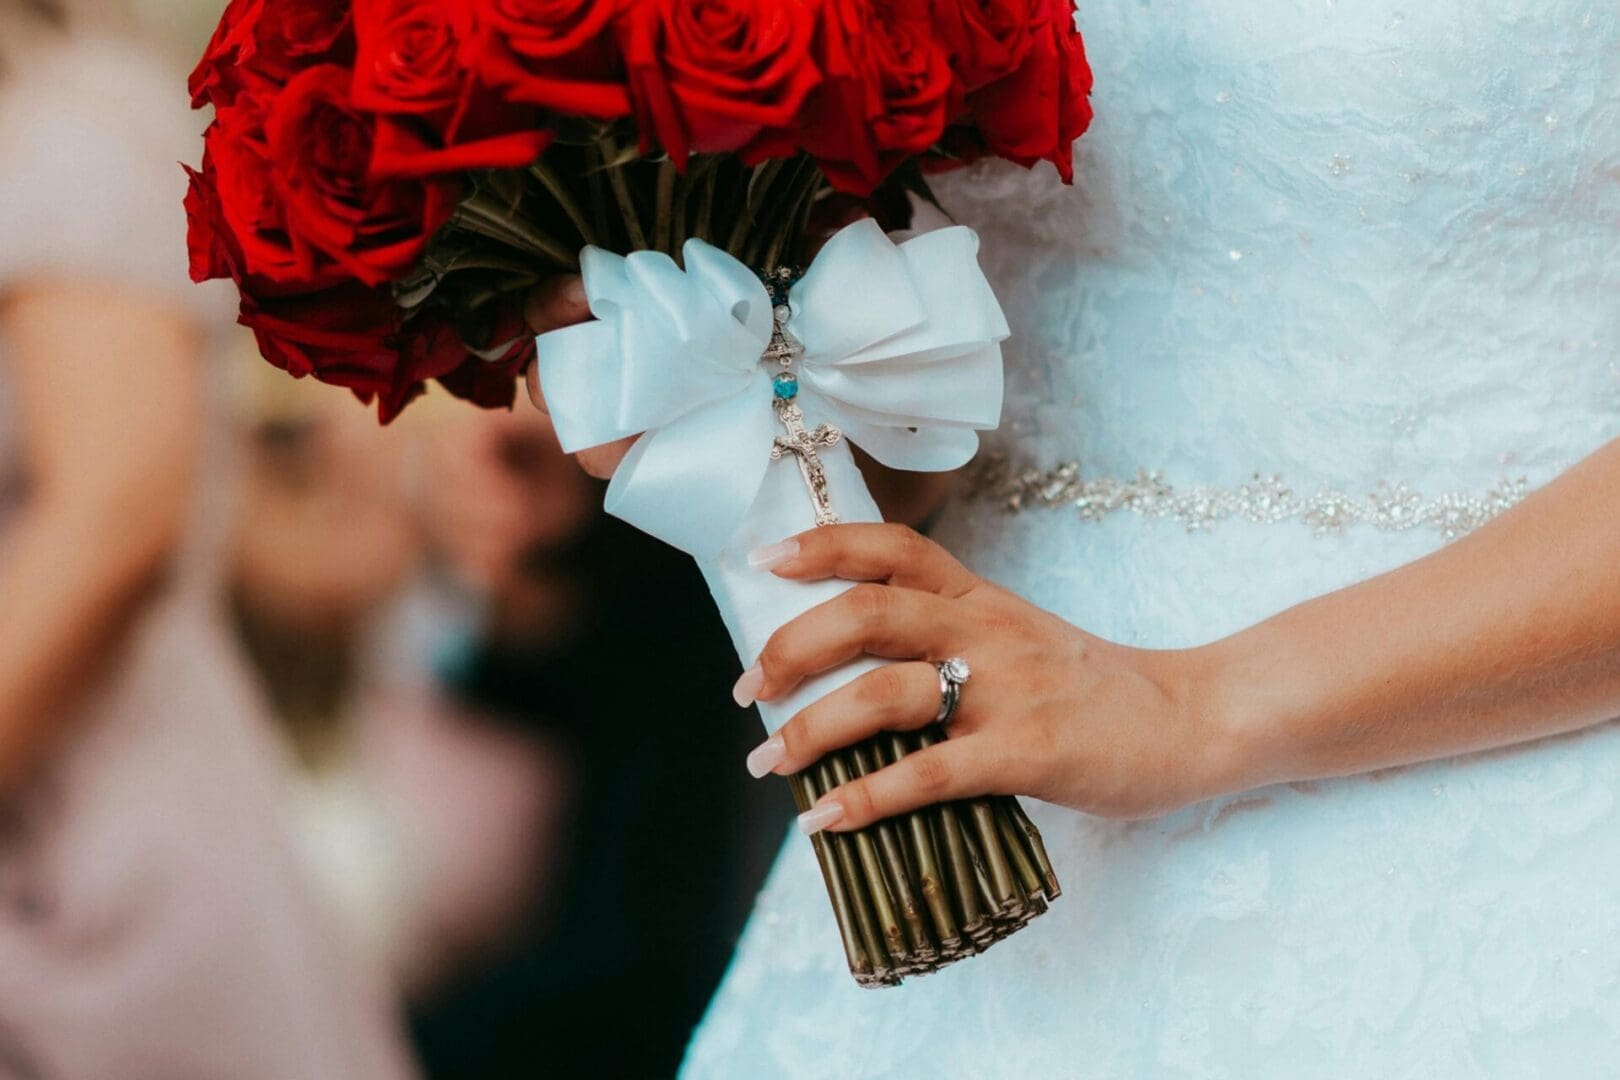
<point>154,920</point>
<point>430,826</point>
<point>606,640</point>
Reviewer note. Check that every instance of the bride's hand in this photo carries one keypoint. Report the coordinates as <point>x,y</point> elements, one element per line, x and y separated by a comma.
<point>1050,711</point>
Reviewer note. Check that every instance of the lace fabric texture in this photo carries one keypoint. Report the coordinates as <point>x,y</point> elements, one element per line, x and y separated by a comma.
<point>1361,246</point>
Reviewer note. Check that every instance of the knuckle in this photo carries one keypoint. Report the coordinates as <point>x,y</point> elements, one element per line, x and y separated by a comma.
<point>776,657</point>
<point>912,547</point>
<point>932,773</point>
<point>794,735</point>
<point>1003,622</point>
<point>870,603</point>
<point>882,689</point>
<point>858,802</point>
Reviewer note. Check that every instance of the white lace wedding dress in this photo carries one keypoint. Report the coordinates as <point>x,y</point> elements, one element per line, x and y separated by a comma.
<point>1367,251</point>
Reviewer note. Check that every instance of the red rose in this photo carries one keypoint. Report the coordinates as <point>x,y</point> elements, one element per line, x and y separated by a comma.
<point>342,335</point>
<point>1037,112</point>
<point>347,336</point>
<point>213,250</point>
<point>556,53</point>
<point>895,100</point>
<point>429,349</point>
<point>406,56</point>
<point>442,120</point>
<point>914,78</point>
<point>320,149</point>
<point>988,39</point>
<point>243,226</point>
<point>835,123</point>
<point>259,42</point>
<point>354,337</point>
<point>492,383</point>
<point>710,76</point>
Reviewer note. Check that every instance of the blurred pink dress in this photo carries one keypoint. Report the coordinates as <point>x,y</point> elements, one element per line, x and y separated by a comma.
<point>154,924</point>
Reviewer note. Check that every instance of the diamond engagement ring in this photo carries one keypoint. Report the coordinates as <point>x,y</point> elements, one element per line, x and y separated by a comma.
<point>953,673</point>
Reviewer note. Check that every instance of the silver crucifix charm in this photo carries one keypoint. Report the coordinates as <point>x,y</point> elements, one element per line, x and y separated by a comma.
<point>803,444</point>
<point>799,441</point>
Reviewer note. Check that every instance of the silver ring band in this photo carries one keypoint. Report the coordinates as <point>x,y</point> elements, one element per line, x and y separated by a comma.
<point>953,675</point>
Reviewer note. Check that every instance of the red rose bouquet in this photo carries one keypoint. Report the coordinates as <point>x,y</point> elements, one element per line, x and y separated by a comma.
<point>385,180</point>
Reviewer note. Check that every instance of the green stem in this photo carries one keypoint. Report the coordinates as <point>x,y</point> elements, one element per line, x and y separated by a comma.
<point>627,208</point>
<point>860,964</point>
<point>882,902</point>
<point>704,229</point>
<point>1023,865</point>
<point>981,876</point>
<point>593,176</point>
<point>894,862</point>
<point>931,881</point>
<point>865,923</point>
<point>963,887</point>
<point>779,232</point>
<point>492,223</point>
<point>1037,847</point>
<point>558,190</point>
<point>664,214</point>
<point>787,193</point>
<point>989,835</point>
<point>621,193</point>
<point>683,195</point>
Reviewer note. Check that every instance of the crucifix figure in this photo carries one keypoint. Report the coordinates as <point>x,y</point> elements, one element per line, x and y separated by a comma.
<point>799,441</point>
<point>803,444</point>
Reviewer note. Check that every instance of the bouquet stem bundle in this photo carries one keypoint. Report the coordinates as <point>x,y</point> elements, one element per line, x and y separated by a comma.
<point>387,182</point>
<point>911,894</point>
<point>917,892</point>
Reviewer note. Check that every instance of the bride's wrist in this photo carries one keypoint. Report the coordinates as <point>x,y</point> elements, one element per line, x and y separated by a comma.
<point>1249,701</point>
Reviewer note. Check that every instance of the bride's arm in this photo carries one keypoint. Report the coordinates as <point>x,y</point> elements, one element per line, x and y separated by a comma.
<point>1507,635</point>
<point>107,401</point>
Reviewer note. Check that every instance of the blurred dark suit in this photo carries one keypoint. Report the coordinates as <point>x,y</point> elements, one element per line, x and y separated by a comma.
<point>669,842</point>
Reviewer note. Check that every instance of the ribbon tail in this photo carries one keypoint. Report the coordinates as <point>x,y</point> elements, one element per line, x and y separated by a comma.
<point>690,483</point>
<point>581,373</point>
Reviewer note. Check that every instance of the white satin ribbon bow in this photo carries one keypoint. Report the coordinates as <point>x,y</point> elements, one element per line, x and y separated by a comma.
<point>901,352</point>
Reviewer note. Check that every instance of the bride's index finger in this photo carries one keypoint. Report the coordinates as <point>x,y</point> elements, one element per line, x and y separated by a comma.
<point>536,393</point>
<point>890,553</point>
<point>556,302</point>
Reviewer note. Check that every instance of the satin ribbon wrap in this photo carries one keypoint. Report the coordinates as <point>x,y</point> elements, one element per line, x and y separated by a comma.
<point>902,352</point>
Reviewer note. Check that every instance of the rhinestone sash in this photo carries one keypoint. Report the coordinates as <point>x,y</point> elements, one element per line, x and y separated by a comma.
<point>1263,500</point>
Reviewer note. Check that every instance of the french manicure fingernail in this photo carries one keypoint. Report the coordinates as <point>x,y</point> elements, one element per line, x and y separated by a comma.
<point>817,818</point>
<point>746,692</point>
<point>771,556</point>
<point>766,756</point>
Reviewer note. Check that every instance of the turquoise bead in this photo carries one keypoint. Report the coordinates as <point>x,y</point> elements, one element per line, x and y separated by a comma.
<point>786,386</point>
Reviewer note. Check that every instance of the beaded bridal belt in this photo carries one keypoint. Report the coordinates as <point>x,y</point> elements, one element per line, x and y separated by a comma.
<point>1263,500</point>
